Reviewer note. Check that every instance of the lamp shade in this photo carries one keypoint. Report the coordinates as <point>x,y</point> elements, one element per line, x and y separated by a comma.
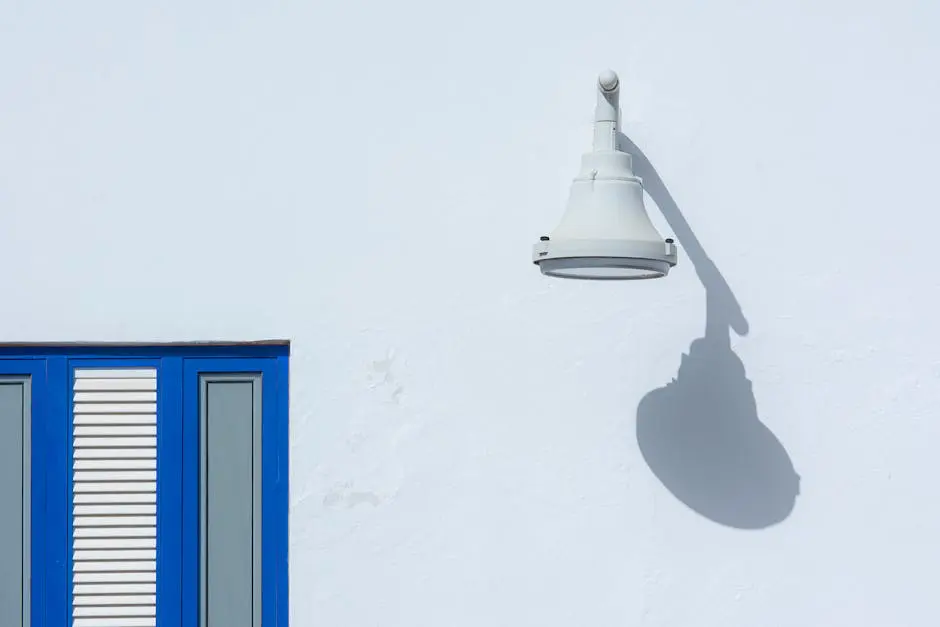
<point>605,232</point>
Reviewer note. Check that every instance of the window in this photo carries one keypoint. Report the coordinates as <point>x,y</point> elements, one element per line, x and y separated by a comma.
<point>144,486</point>
<point>16,383</point>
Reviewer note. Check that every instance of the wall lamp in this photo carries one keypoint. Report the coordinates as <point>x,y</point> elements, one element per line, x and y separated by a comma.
<point>605,233</point>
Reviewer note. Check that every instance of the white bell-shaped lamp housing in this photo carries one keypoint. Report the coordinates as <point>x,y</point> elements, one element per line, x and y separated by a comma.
<point>605,232</point>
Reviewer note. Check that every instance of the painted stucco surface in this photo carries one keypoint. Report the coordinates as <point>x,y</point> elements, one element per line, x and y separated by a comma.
<point>749,442</point>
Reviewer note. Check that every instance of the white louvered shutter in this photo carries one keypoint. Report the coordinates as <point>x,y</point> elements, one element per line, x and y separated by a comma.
<point>114,537</point>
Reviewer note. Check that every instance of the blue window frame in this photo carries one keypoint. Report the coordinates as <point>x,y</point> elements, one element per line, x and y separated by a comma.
<point>34,552</point>
<point>179,368</point>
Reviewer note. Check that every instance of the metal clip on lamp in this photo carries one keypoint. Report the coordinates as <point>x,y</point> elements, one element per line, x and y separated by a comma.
<point>605,233</point>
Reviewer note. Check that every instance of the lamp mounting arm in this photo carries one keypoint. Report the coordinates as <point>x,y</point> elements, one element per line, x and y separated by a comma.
<point>607,111</point>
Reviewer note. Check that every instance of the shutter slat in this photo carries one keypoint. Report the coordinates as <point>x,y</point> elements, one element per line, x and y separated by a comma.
<point>117,453</point>
<point>103,588</point>
<point>115,543</point>
<point>115,373</point>
<point>116,464</point>
<point>116,577</point>
<point>82,442</point>
<point>115,384</point>
<point>122,396</point>
<point>114,599</point>
<point>110,609</point>
<point>115,419</point>
<point>101,498</point>
<point>115,521</point>
<point>115,567</point>
<point>114,501</point>
<point>115,430</point>
<point>142,621</point>
<point>118,486</point>
<point>114,555</point>
<point>117,509</point>
<point>115,475</point>
<point>114,532</point>
<point>115,408</point>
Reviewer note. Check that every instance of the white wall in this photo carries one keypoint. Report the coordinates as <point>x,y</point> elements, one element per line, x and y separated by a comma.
<point>367,178</point>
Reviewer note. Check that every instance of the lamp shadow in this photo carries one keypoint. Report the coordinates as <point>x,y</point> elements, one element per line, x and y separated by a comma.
<point>700,433</point>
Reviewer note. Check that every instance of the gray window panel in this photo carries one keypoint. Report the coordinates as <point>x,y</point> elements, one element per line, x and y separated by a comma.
<point>14,492</point>
<point>230,500</point>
